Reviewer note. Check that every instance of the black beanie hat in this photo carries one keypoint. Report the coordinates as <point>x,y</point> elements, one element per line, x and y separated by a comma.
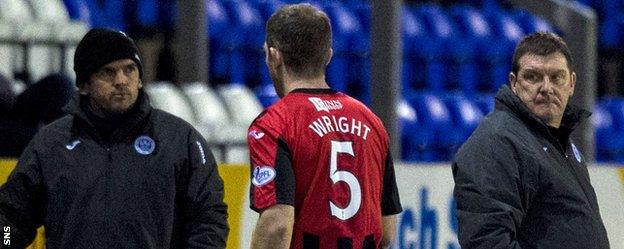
<point>100,47</point>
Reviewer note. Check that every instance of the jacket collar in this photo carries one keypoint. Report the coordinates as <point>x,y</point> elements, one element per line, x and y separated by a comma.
<point>507,100</point>
<point>127,124</point>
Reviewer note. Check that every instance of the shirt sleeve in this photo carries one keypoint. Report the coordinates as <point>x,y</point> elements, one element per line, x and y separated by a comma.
<point>492,194</point>
<point>272,177</point>
<point>390,201</point>
<point>22,199</point>
<point>203,206</point>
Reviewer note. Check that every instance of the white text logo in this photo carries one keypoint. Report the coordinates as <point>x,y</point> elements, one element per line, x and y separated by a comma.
<point>7,236</point>
<point>325,105</point>
<point>263,175</point>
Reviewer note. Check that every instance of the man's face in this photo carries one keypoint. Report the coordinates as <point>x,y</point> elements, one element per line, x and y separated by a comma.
<point>276,68</point>
<point>114,88</point>
<point>544,84</point>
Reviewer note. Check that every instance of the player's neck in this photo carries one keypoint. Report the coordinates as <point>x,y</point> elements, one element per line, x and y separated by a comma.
<point>310,83</point>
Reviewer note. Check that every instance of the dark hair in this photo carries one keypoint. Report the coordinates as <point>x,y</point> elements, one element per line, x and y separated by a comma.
<point>303,34</point>
<point>541,44</point>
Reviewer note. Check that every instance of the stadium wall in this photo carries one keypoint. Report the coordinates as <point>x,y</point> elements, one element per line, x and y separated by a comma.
<point>426,190</point>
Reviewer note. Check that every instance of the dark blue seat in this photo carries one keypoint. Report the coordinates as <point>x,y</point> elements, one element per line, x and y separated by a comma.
<point>498,58</point>
<point>248,29</point>
<point>222,42</point>
<point>349,69</point>
<point>266,94</point>
<point>417,47</point>
<point>416,139</point>
<point>611,33</point>
<point>440,30</point>
<point>466,114</point>
<point>436,116</point>
<point>456,56</point>
<point>531,23</point>
<point>475,29</point>
<point>78,10</point>
<point>485,102</point>
<point>612,139</point>
<point>108,14</point>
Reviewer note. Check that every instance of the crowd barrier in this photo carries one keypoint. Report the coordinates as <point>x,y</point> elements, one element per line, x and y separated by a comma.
<point>428,220</point>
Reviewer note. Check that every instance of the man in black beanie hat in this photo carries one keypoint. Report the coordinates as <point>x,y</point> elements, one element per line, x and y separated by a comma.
<point>114,172</point>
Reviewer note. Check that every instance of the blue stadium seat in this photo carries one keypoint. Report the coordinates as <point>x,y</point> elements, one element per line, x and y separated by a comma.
<point>78,10</point>
<point>221,40</point>
<point>441,30</point>
<point>267,7</point>
<point>485,102</point>
<point>466,114</point>
<point>478,38</point>
<point>457,54</point>
<point>416,139</point>
<point>247,58</point>
<point>266,94</point>
<point>435,115</point>
<point>107,14</point>
<point>351,47</point>
<point>531,23</point>
<point>417,47</point>
<point>614,141</point>
<point>611,33</point>
<point>498,57</point>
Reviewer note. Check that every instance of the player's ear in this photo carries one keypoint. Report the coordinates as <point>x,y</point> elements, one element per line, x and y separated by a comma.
<point>512,81</point>
<point>329,57</point>
<point>276,55</point>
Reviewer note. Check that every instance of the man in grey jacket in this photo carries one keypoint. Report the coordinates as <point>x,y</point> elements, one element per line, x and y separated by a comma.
<point>520,182</point>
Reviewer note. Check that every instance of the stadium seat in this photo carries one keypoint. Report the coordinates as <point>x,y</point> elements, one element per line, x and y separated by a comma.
<point>244,107</point>
<point>266,94</point>
<point>221,40</point>
<point>466,114</point>
<point>453,67</point>
<point>107,14</point>
<point>485,102</point>
<point>416,139</point>
<point>7,52</point>
<point>212,113</point>
<point>435,115</point>
<point>51,11</point>
<point>604,130</point>
<point>611,34</point>
<point>78,10</point>
<point>167,97</point>
<point>206,104</point>
<point>351,46</point>
<point>42,59</point>
<point>247,58</point>
<point>498,57</point>
<point>531,23</point>
<point>417,47</point>
<point>15,11</point>
<point>241,102</point>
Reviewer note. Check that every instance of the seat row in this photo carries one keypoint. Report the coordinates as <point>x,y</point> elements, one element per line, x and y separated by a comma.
<point>461,47</point>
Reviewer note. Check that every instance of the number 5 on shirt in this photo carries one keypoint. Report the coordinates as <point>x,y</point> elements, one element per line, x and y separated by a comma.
<point>347,177</point>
